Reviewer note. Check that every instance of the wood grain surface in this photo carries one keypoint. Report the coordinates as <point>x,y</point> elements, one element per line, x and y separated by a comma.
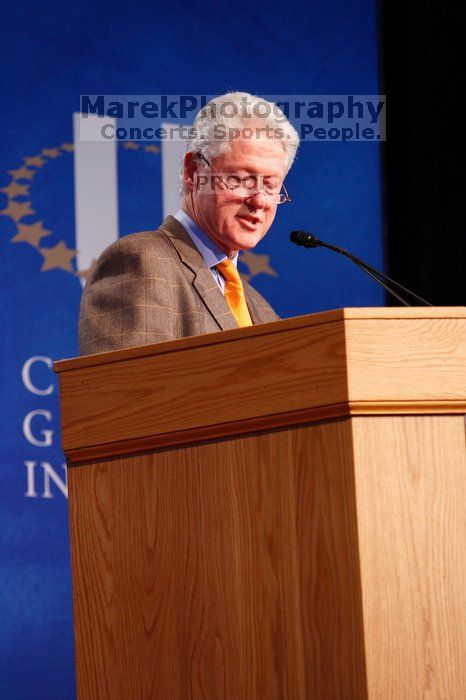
<point>410,475</point>
<point>406,359</point>
<point>315,561</point>
<point>222,570</point>
<point>316,319</point>
<point>281,373</point>
<point>231,381</point>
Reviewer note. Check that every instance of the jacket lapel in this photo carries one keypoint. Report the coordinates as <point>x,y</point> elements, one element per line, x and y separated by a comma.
<point>203,281</point>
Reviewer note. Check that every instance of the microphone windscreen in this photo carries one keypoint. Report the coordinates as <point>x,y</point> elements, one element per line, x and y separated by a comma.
<point>305,239</point>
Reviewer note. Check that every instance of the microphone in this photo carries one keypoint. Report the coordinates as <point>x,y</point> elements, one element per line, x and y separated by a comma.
<point>308,240</point>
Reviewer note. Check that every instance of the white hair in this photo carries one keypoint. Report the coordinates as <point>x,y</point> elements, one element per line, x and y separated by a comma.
<point>240,115</point>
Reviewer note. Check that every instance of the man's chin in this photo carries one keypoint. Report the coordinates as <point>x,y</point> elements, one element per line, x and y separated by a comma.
<point>246,242</point>
<point>248,237</point>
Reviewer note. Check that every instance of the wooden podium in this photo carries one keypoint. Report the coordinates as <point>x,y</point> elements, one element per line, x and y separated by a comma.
<point>276,512</point>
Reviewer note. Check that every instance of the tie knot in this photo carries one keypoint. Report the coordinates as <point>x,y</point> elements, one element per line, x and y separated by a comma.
<point>229,271</point>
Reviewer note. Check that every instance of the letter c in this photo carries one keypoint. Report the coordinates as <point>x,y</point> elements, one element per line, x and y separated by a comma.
<point>26,376</point>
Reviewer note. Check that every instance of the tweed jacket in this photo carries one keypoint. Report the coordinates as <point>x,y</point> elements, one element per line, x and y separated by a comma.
<point>154,286</point>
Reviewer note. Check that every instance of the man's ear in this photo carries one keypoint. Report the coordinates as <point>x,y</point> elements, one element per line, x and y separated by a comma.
<point>189,170</point>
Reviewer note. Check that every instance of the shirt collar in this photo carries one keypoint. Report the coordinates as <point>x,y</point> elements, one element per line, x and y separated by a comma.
<point>209,250</point>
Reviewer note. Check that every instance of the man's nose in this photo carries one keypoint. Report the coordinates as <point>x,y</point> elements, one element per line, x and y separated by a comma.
<point>258,200</point>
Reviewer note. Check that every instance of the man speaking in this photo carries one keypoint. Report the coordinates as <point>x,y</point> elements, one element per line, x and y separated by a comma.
<point>182,279</point>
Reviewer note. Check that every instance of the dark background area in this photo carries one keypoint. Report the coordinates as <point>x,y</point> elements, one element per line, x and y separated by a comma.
<point>423,77</point>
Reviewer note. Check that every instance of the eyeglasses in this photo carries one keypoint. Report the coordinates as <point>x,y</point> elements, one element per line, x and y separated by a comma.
<point>246,187</point>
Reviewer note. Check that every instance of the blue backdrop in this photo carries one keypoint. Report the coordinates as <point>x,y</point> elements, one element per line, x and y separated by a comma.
<point>52,53</point>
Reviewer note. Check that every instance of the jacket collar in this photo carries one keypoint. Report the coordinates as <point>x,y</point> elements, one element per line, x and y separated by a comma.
<point>203,281</point>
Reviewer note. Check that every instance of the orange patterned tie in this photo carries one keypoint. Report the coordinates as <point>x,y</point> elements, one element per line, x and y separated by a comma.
<point>234,293</point>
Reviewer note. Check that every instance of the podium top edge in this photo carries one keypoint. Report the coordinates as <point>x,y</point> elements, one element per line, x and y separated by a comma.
<point>319,318</point>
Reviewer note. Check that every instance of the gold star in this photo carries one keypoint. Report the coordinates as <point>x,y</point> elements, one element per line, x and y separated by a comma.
<point>68,147</point>
<point>30,233</point>
<point>22,174</point>
<point>51,152</point>
<point>57,257</point>
<point>152,149</point>
<point>16,210</point>
<point>257,263</point>
<point>14,190</point>
<point>37,161</point>
<point>84,274</point>
<point>131,146</point>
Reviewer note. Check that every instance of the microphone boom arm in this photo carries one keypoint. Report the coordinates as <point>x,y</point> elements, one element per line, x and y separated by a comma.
<point>308,240</point>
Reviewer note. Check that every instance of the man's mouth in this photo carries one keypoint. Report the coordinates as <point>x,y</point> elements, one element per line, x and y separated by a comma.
<point>249,222</point>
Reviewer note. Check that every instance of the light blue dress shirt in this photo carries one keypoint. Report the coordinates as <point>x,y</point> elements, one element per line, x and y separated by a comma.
<point>209,250</point>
